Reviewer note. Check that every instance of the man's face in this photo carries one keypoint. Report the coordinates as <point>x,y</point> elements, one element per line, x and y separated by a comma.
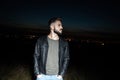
<point>58,27</point>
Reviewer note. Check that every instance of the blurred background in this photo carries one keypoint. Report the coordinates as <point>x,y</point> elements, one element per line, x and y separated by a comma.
<point>92,29</point>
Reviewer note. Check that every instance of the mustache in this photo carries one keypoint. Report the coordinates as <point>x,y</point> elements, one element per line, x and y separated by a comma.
<point>61,29</point>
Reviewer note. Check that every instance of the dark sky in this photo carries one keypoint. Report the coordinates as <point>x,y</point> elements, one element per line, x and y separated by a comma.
<point>95,16</point>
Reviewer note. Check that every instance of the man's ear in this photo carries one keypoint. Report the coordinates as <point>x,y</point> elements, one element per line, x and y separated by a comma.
<point>52,26</point>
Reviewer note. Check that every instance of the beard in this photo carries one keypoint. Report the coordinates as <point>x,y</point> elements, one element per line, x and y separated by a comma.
<point>57,32</point>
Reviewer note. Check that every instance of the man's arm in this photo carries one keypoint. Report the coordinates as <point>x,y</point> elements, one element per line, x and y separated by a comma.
<point>36,56</point>
<point>66,59</point>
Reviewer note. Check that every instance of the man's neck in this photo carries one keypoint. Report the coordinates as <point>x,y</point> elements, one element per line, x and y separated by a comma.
<point>53,36</point>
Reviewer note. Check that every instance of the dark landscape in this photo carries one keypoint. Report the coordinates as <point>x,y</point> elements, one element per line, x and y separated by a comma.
<point>90,58</point>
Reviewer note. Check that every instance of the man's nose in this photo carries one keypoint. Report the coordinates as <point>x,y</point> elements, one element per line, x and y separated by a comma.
<point>61,27</point>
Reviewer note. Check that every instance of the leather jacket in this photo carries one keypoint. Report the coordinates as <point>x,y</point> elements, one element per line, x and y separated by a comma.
<point>40,55</point>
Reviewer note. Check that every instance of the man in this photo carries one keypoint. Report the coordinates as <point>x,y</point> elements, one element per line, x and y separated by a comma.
<point>51,54</point>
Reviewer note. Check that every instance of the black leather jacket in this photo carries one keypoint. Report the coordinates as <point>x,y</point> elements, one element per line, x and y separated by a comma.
<point>40,55</point>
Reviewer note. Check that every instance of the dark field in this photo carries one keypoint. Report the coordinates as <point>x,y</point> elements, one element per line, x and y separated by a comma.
<point>88,60</point>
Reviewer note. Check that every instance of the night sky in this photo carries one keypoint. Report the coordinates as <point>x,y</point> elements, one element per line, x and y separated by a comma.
<point>93,16</point>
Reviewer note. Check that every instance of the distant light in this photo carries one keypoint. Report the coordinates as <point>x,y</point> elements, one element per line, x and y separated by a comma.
<point>30,36</point>
<point>102,44</point>
<point>68,39</point>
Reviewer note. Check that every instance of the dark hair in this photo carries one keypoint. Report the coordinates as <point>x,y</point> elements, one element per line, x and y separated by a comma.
<point>53,19</point>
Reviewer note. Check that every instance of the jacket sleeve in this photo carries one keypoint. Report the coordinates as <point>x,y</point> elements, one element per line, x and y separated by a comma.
<point>36,56</point>
<point>66,59</point>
